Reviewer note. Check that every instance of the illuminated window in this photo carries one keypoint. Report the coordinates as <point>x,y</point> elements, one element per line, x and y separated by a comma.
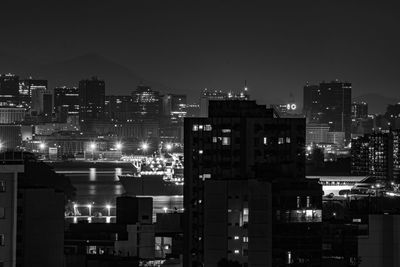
<point>245,215</point>
<point>200,127</point>
<point>206,176</point>
<point>207,127</point>
<point>298,202</point>
<point>288,140</point>
<point>226,130</point>
<point>200,151</point>
<point>265,140</point>
<point>226,141</point>
<point>308,201</point>
<point>214,139</point>
<point>280,140</point>
<point>289,257</point>
<point>2,186</point>
<point>246,239</point>
<point>236,237</point>
<point>236,251</point>
<point>195,128</point>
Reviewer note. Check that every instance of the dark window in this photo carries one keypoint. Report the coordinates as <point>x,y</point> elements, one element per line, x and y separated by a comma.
<point>2,186</point>
<point>2,213</point>
<point>2,242</point>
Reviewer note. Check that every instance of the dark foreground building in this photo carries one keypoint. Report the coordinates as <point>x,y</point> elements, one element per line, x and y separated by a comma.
<point>246,198</point>
<point>32,201</point>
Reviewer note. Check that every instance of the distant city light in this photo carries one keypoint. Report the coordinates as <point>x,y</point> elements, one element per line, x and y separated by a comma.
<point>308,148</point>
<point>118,146</point>
<point>168,147</point>
<point>93,146</point>
<point>42,146</point>
<point>144,146</point>
<point>165,209</point>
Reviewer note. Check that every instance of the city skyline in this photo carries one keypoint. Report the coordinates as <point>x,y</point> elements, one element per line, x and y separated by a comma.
<point>219,46</point>
<point>207,133</point>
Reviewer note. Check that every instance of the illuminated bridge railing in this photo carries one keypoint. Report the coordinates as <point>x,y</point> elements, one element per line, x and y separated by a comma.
<point>90,213</point>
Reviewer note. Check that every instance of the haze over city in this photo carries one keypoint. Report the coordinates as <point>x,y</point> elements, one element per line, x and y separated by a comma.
<point>277,47</point>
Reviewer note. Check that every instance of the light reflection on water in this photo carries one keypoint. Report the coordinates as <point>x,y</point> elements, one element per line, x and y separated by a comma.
<point>103,186</point>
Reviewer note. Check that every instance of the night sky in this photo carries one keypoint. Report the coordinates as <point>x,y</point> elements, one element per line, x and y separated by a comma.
<point>189,45</point>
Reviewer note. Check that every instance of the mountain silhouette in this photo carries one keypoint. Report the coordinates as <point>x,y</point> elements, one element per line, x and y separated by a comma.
<point>118,78</point>
<point>377,103</point>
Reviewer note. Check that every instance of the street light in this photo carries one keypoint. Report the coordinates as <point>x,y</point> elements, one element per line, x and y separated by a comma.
<point>93,146</point>
<point>90,209</point>
<point>168,147</point>
<point>108,210</point>
<point>144,146</point>
<point>42,146</point>
<point>118,146</point>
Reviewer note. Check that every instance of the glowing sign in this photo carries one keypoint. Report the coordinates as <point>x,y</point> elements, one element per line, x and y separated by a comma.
<point>291,106</point>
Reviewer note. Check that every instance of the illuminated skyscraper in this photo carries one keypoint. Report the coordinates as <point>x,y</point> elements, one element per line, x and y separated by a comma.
<point>329,103</point>
<point>66,102</point>
<point>377,155</point>
<point>146,102</point>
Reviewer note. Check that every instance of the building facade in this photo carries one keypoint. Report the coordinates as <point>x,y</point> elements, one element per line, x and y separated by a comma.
<point>241,149</point>
<point>377,155</point>
<point>66,102</point>
<point>92,99</point>
<point>329,103</point>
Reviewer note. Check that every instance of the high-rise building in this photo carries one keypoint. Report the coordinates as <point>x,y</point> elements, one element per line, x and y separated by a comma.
<point>316,133</point>
<point>9,170</point>
<point>392,115</point>
<point>146,102</point>
<point>329,103</point>
<point>92,99</point>
<point>173,112</point>
<point>42,102</point>
<point>377,155</point>
<point>359,110</point>
<point>9,89</point>
<point>192,110</point>
<point>240,164</point>
<point>27,88</point>
<point>172,103</point>
<point>32,209</point>
<point>210,95</point>
<point>9,85</point>
<point>119,108</point>
<point>66,102</point>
